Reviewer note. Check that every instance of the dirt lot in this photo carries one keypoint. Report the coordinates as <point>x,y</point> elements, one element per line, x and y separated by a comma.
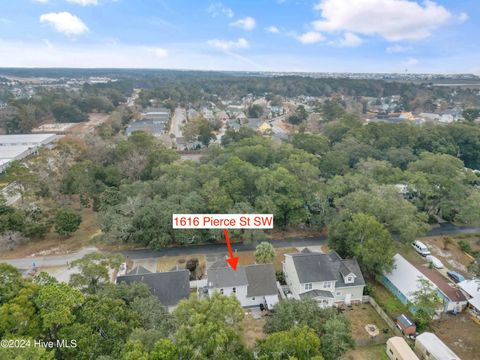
<point>461,334</point>
<point>248,257</point>
<point>54,244</point>
<point>453,257</point>
<point>252,329</point>
<point>361,315</point>
<point>375,352</point>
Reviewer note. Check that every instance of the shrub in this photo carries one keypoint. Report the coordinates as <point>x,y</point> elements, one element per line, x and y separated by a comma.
<point>464,245</point>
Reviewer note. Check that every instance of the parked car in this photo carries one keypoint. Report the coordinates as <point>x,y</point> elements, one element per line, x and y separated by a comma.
<point>420,248</point>
<point>455,276</point>
<point>437,264</point>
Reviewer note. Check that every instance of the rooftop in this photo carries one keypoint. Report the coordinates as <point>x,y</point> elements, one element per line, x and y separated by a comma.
<point>170,287</point>
<point>452,293</point>
<point>436,347</point>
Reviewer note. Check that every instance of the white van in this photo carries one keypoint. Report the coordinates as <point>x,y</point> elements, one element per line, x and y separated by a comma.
<point>420,248</point>
<point>437,264</point>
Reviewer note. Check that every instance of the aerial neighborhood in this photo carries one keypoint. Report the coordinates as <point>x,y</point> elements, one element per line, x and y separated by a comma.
<point>374,231</point>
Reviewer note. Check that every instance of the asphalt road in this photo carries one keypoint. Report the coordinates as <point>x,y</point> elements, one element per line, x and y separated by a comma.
<point>62,260</point>
<point>444,229</point>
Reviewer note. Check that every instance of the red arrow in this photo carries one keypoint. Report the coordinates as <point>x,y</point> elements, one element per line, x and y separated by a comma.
<point>233,261</point>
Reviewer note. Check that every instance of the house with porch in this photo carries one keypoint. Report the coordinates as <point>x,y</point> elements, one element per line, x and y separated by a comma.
<point>327,278</point>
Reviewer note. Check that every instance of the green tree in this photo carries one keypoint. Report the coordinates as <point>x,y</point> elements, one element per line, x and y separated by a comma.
<point>300,343</point>
<point>164,349</point>
<point>469,212</point>
<point>94,270</point>
<point>425,301</point>
<point>255,111</point>
<point>337,338</point>
<point>471,114</point>
<point>264,253</point>
<point>363,237</point>
<point>10,282</point>
<point>305,312</point>
<point>67,221</point>
<point>208,329</point>
<point>56,303</point>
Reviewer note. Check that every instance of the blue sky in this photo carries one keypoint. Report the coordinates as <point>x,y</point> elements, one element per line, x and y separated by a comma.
<point>265,35</point>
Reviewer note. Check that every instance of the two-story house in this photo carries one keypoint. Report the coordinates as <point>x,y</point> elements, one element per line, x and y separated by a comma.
<point>327,278</point>
<point>252,285</point>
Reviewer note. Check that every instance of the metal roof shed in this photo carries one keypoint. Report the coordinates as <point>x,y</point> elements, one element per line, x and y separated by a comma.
<point>432,348</point>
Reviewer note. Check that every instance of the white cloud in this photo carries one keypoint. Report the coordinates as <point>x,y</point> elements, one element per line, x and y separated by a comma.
<point>41,1</point>
<point>83,2</point>
<point>248,23</point>
<point>65,23</point>
<point>226,45</point>
<point>216,9</point>
<point>394,20</point>
<point>411,62</point>
<point>350,40</point>
<point>310,37</point>
<point>159,52</point>
<point>462,17</point>
<point>272,29</point>
<point>395,49</point>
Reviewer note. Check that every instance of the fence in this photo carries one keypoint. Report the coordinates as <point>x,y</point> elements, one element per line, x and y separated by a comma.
<point>383,315</point>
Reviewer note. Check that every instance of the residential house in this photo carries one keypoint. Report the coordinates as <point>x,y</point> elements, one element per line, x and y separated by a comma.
<point>327,278</point>
<point>253,285</point>
<point>404,280</point>
<point>453,299</point>
<point>430,347</point>
<point>170,287</point>
<point>471,288</point>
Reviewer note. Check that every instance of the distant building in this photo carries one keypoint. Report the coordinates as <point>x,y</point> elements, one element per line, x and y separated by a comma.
<point>471,289</point>
<point>18,147</point>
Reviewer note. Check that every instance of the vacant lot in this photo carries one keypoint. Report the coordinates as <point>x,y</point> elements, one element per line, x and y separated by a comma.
<point>460,333</point>
<point>361,315</point>
<point>453,257</point>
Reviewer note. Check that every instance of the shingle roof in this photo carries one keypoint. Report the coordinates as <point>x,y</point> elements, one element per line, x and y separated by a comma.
<point>220,275</point>
<point>317,267</point>
<point>434,276</point>
<point>170,287</point>
<point>139,270</point>
<point>316,293</point>
<point>261,280</point>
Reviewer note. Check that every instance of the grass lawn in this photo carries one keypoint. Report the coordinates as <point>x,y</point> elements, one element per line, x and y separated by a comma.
<point>392,306</point>
<point>248,257</point>
<point>166,263</point>
<point>375,352</point>
<point>361,315</point>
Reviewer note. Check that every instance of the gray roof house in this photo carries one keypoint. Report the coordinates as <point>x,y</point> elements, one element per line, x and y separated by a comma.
<point>170,287</point>
<point>327,278</point>
<point>252,285</point>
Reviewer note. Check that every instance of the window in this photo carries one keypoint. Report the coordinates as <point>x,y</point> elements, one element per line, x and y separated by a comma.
<point>253,298</point>
<point>391,352</point>
<point>221,291</point>
<point>326,284</point>
<point>338,293</point>
<point>349,279</point>
<point>308,286</point>
<point>234,290</point>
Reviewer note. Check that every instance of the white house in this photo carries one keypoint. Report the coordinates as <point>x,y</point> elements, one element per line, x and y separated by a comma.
<point>252,285</point>
<point>327,278</point>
